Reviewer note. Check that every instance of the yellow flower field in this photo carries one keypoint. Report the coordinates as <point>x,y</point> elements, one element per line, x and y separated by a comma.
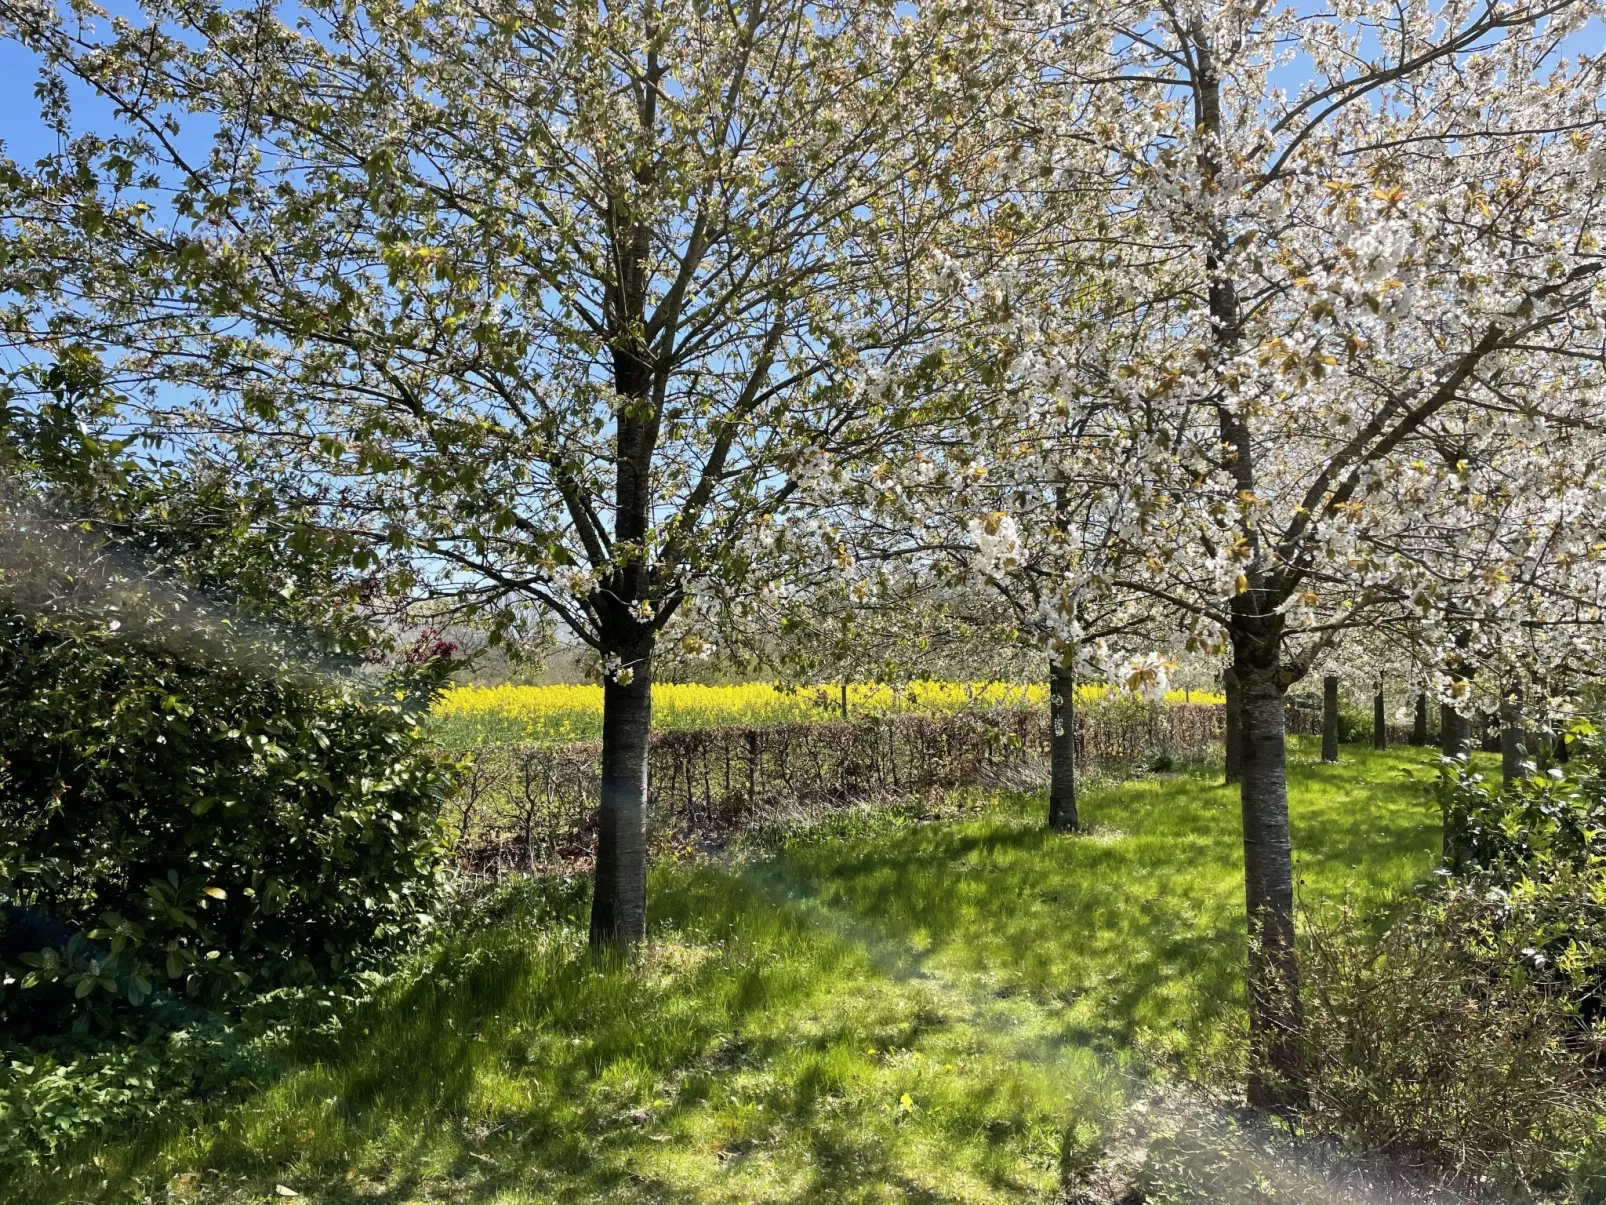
<point>482,715</point>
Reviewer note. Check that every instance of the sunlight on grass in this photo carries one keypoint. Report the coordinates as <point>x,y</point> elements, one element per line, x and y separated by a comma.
<point>1136,926</point>
<point>879,1011</point>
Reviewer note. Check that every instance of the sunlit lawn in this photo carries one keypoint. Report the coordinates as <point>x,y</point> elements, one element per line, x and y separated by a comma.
<point>890,1011</point>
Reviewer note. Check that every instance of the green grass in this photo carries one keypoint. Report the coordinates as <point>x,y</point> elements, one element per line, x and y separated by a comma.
<point>884,1011</point>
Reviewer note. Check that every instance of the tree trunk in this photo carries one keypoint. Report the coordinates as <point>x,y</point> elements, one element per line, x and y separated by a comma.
<point>1276,1020</point>
<point>619,887</point>
<point>1233,737</point>
<point>619,897</point>
<point>844,700</point>
<point>1380,723</point>
<point>1455,740</point>
<point>1062,749</point>
<point>1419,728</point>
<point>1513,740</point>
<point>1330,718</point>
<point>1455,731</point>
<point>1276,1037</point>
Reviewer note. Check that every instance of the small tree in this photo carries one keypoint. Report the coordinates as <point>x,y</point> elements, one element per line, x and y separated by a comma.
<point>998,485</point>
<point>997,551</point>
<point>559,299</point>
<point>1342,317</point>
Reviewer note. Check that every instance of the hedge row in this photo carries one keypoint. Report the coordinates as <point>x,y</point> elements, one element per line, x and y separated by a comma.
<point>533,807</point>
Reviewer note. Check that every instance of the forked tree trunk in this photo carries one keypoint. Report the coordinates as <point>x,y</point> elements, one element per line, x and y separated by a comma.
<point>619,900</point>
<point>1380,724</point>
<point>1062,749</point>
<point>1276,1019</point>
<point>1233,736</point>
<point>1419,726</point>
<point>1330,718</point>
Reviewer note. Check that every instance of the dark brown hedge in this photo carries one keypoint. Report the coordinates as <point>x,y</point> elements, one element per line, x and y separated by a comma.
<point>532,807</point>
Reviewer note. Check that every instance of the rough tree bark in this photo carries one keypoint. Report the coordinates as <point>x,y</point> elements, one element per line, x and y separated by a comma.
<point>1233,736</point>
<point>1276,1018</point>
<point>619,887</point>
<point>1276,1078</point>
<point>619,897</point>
<point>1419,726</point>
<point>1380,723</point>
<point>1062,749</point>
<point>1330,718</point>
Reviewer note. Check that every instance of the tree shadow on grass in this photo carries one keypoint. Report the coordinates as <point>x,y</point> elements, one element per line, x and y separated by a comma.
<point>1147,927</point>
<point>809,1027</point>
<point>510,1064</point>
<point>1139,922</point>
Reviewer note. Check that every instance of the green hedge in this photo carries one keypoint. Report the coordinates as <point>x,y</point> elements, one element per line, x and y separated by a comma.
<point>177,828</point>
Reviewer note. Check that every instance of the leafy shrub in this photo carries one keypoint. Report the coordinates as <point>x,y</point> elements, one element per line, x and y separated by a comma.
<point>1449,1045</point>
<point>1537,823</point>
<point>50,1099</point>
<point>1465,1038</point>
<point>1539,844</point>
<point>1354,721</point>
<point>197,829</point>
<point>56,1092</point>
<point>197,796</point>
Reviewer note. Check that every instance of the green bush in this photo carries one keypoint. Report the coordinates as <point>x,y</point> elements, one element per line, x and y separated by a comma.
<point>1354,721</point>
<point>198,829</point>
<point>1538,824</point>
<point>1538,847</point>
<point>59,1091</point>
<point>1451,1046</point>
<point>1463,1039</point>
<point>202,792</point>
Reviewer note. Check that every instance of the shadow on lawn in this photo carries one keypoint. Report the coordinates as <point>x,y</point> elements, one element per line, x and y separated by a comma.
<point>510,1063</point>
<point>1327,801</point>
<point>813,1025</point>
<point>1138,921</point>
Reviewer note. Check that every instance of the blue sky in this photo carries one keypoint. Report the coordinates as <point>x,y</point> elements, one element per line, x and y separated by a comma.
<point>25,138</point>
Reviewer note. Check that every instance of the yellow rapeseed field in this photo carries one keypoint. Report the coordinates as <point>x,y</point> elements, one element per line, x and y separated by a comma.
<point>480,715</point>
